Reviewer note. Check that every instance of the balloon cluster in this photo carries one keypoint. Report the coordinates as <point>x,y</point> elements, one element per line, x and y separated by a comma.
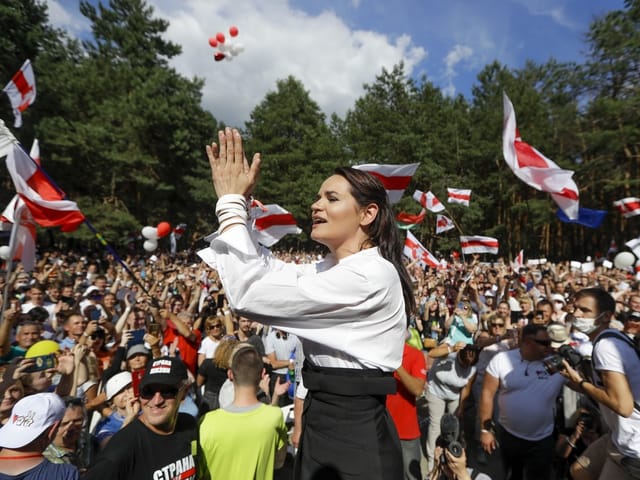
<point>5,252</point>
<point>226,48</point>
<point>152,234</point>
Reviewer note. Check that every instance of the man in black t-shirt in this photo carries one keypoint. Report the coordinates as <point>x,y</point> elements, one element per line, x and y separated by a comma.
<point>162,443</point>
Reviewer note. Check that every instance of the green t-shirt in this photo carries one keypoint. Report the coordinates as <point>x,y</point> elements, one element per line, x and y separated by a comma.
<point>241,443</point>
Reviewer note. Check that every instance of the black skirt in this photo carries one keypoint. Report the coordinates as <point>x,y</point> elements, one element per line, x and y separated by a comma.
<point>347,432</point>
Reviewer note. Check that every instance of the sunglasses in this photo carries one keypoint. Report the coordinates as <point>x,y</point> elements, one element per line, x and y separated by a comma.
<point>544,343</point>
<point>166,392</point>
<point>497,324</point>
<point>211,327</point>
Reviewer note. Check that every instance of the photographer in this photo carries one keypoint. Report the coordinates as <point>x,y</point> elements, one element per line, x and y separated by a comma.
<point>615,386</point>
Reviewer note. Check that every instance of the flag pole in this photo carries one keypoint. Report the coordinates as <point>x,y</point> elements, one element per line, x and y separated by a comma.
<point>17,217</point>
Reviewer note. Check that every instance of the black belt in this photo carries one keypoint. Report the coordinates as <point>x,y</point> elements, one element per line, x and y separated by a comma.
<point>348,381</point>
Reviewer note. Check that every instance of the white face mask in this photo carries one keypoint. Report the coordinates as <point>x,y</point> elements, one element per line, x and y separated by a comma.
<point>585,325</point>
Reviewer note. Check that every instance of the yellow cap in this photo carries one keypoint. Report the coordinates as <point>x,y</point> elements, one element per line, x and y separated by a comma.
<point>43,347</point>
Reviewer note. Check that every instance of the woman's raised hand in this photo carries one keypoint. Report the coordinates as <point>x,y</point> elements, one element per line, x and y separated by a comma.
<point>230,170</point>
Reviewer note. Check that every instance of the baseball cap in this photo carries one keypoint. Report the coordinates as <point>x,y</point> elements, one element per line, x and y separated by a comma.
<point>31,416</point>
<point>92,291</point>
<point>558,334</point>
<point>116,383</point>
<point>137,349</point>
<point>558,297</point>
<point>164,371</point>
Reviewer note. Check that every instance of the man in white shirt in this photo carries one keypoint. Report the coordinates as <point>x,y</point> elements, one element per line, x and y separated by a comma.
<point>616,387</point>
<point>280,349</point>
<point>526,398</point>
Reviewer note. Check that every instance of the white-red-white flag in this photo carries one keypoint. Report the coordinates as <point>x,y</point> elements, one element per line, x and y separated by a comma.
<point>21,91</point>
<point>518,262</point>
<point>411,220</point>
<point>395,178</point>
<point>629,207</point>
<point>443,224</point>
<point>459,195</point>
<point>478,244</point>
<point>35,151</point>
<point>23,246</point>
<point>43,199</point>
<point>414,250</point>
<point>536,170</point>
<point>428,200</point>
<point>272,222</point>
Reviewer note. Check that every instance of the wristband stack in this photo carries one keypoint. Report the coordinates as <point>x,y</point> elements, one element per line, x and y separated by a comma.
<point>231,210</point>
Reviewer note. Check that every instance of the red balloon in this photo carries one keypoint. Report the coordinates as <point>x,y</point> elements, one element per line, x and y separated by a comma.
<point>213,42</point>
<point>220,37</point>
<point>163,229</point>
<point>233,31</point>
<point>218,56</point>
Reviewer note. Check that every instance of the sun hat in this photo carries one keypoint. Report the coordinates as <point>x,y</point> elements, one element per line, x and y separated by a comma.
<point>117,383</point>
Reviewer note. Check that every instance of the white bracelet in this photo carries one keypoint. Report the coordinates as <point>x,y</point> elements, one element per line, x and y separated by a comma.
<point>232,209</point>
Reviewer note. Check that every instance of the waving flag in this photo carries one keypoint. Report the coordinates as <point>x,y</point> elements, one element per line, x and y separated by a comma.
<point>479,244</point>
<point>459,196</point>
<point>410,221</point>
<point>414,250</point>
<point>536,170</point>
<point>428,200</point>
<point>634,245</point>
<point>629,207</point>
<point>518,262</point>
<point>395,178</point>
<point>586,217</point>
<point>23,245</point>
<point>272,222</point>
<point>443,224</point>
<point>35,151</point>
<point>21,91</point>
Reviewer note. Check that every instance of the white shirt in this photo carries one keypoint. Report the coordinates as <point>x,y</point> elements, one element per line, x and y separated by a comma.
<point>526,395</point>
<point>349,314</point>
<point>615,355</point>
<point>208,347</point>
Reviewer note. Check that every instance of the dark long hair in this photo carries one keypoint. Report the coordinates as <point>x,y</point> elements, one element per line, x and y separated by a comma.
<point>382,232</point>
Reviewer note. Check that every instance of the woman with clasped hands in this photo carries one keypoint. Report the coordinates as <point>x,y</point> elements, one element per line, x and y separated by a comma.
<point>350,309</point>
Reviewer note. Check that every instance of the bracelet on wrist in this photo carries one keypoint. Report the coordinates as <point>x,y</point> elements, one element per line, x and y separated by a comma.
<point>570,443</point>
<point>484,430</point>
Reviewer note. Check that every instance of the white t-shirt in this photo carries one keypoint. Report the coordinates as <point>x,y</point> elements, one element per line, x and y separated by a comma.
<point>526,395</point>
<point>447,377</point>
<point>208,347</point>
<point>615,355</point>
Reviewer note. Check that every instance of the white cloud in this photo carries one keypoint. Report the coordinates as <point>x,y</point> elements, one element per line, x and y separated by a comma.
<point>332,60</point>
<point>458,54</point>
<point>67,19</point>
<point>551,9</point>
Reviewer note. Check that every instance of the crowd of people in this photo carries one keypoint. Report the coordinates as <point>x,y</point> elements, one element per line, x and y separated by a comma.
<point>178,368</point>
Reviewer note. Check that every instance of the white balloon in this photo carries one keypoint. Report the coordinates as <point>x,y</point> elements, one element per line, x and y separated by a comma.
<point>5,252</point>
<point>150,233</point>
<point>150,245</point>
<point>223,47</point>
<point>239,47</point>
<point>624,260</point>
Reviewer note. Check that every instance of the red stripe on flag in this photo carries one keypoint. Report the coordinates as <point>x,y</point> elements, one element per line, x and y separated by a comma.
<point>459,196</point>
<point>41,184</point>
<point>392,183</point>
<point>567,193</point>
<point>21,83</point>
<point>278,219</point>
<point>527,157</point>
<point>480,243</point>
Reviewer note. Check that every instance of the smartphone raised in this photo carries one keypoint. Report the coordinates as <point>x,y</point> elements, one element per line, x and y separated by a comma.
<point>43,362</point>
<point>137,337</point>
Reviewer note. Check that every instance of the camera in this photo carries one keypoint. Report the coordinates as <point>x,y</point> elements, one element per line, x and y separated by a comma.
<point>449,437</point>
<point>553,363</point>
<point>587,419</point>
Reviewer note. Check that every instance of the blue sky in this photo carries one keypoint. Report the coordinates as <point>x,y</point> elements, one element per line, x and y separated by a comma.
<point>335,46</point>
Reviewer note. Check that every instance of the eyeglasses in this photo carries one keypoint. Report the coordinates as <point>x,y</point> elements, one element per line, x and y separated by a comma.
<point>497,324</point>
<point>544,343</point>
<point>166,392</point>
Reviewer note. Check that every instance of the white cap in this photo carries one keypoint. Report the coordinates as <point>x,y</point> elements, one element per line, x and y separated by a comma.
<point>116,383</point>
<point>558,297</point>
<point>31,416</point>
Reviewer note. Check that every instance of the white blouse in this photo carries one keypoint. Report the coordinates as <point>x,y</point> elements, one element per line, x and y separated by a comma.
<point>349,314</point>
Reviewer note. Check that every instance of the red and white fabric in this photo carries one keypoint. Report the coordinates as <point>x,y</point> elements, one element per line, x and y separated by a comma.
<point>478,244</point>
<point>518,262</point>
<point>35,151</point>
<point>429,201</point>
<point>634,245</point>
<point>628,207</point>
<point>459,195</point>
<point>23,247</point>
<point>395,178</point>
<point>272,222</point>
<point>21,91</point>
<point>411,219</point>
<point>414,250</point>
<point>536,170</point>
<point>43,199</point>
<point>443,224</point>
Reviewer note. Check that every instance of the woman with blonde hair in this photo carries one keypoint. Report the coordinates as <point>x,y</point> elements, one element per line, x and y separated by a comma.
<point>212,373</point>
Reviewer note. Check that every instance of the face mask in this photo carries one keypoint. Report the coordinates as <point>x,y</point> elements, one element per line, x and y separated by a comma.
<point>585,325</point>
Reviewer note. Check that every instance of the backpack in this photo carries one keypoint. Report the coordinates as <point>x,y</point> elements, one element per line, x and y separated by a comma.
<point>633,343</point>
